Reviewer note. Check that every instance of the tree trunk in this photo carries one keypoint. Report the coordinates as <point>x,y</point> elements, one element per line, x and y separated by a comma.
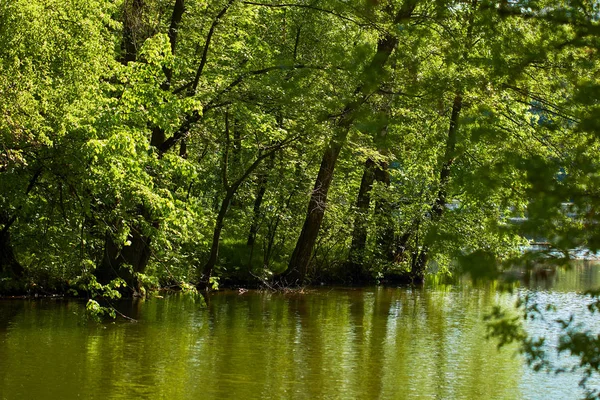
<point>9,266</point>
<point>420,258</point>
<point>372,75</point>
<point>440,201</point>
<point>298,265</point>
<point>229,195</point>
<point>385,231</point>
<point>110,266</point>
<point>236,150</point>
<point>401,245</point>
<point>131,21</point>
<point>419,263</point>
<point>439,204</point>
<point>260,193</point>
<point>383,216</point>
<point>138,253</point>
<point>158,137</point>
<point>183,149</point>
<point>178,10</point>
<point>359,234</point>
<point>214,248</point>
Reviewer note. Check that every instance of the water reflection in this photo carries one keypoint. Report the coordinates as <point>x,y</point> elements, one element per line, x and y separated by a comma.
<point>343,343</point>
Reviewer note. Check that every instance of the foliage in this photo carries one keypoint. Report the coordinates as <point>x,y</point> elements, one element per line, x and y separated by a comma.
<point>176,143</point>
<point>96,311</point>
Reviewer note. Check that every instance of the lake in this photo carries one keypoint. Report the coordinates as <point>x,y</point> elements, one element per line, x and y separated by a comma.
<point>327,343</point>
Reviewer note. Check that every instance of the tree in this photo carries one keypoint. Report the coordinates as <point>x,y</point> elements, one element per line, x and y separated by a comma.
<point>371,78</point>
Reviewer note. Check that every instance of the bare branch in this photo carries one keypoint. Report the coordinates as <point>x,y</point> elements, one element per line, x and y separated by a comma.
<point>561,16</point>
<point>182,88</point>
<point>394,93</point>
<point>247,74</point>
<point>267,152</point>
<point>552,108</point>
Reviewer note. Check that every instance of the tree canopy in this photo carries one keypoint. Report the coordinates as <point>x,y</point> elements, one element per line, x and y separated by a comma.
<point>176,142</point>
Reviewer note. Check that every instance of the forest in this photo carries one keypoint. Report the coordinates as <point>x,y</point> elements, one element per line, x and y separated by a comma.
<point>197,144</point>
<point>192,143</point>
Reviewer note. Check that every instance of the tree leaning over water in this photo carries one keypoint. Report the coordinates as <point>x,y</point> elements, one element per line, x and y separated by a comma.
<point>170,142</point>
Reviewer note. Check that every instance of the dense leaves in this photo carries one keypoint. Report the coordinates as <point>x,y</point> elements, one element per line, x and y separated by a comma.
<point>174,120</point>
<point>156,143</point>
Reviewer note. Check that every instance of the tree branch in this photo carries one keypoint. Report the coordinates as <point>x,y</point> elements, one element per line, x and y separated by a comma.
<point>561,16</point>
<point>555,109</point>
<point>191,119</point>
<point>181,133</point>
<point>247,74</point>
<point>178,10</point>
<point>270,150</point>
<point>12,219</point>
<point>182,88</point>
<point>211,31</point>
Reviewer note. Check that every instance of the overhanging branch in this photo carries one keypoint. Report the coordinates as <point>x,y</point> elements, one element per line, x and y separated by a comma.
<point>195,116</point>
<point>237,81</point>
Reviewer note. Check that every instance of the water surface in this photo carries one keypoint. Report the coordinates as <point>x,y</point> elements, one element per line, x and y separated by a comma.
<point>368,343</point>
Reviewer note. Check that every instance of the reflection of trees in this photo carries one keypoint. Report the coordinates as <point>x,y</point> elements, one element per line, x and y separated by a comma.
<point>8,311</point>
<point>146,359</point>
<point>361,343</point>
<point>373,341</point>
<point>435,342</point>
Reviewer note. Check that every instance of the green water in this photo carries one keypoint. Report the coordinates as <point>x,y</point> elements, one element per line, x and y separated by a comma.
<point>373,343</point>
